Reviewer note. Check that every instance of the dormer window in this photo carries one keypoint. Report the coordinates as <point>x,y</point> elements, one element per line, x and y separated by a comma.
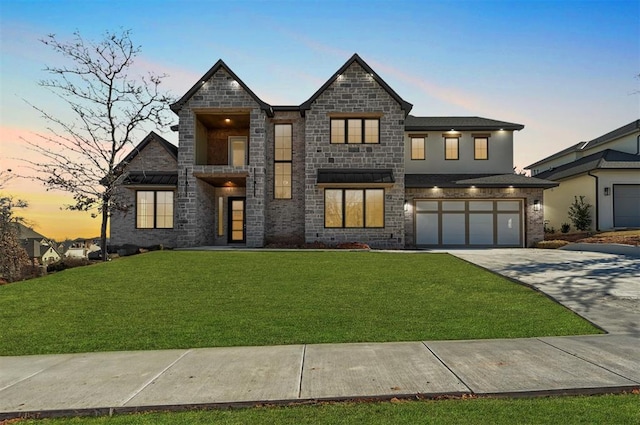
<point>355,130</point>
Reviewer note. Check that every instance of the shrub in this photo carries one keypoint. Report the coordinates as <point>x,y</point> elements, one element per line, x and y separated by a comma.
<point>551,244</point>
<point>67,263</point>
<point>565,227</point>
<point>580,213</point>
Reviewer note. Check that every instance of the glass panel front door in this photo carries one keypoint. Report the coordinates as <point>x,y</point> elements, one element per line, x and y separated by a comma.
<point>236,220</point>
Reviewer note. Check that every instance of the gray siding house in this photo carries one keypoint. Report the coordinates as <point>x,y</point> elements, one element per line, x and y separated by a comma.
<point>348,165</point>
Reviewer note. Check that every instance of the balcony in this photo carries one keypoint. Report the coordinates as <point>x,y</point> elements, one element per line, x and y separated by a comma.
<point>222,138</point>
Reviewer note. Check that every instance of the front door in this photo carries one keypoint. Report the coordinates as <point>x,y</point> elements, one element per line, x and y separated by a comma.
<point>236,220</point>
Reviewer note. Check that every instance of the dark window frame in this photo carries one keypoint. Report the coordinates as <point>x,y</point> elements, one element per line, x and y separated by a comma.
<point>155,209</point>
<point>457,139</point>
<point>280,161</point>
<point>344,206</point>
<point>345,121</point>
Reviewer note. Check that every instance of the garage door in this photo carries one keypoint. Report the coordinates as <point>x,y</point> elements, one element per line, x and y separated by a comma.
<point>473,223</point>
<point>626,205</point>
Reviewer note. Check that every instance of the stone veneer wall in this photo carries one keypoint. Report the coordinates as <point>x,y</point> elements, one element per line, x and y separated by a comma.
<point>284,221</point>
<point>196,198</point>
<point>533,220</point>
<point>355,92</point>
<point>123,229</point>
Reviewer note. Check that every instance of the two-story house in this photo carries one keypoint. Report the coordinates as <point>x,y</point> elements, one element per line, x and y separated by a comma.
<point>348,165</point>
<point>605,170</point>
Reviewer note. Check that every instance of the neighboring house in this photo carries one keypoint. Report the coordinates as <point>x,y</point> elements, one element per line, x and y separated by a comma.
<point>348,165</point>
<point>40,249</point>
<point>79,248</point>
<point>605,170</point>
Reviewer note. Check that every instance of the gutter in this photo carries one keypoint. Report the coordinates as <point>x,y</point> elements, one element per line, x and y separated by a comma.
<point>597,200</point>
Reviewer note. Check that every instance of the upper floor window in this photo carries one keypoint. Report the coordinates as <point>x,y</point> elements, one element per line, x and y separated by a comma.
<point>481,147</point>
<point>355,130</point>
<point>154,209</point>
<point>283,142</point>
<point>418,148</point>
<point>451,147</point>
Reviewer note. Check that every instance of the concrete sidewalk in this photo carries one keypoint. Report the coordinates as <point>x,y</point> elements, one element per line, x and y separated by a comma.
<point>118,382</point>
<point>601,287</point>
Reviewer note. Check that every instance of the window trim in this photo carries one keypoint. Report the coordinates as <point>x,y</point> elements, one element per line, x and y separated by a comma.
<point>155,209</point>
<point>364,207</point>
<point>363,135</point>
<point>457,139</point>
<point>282,161</point>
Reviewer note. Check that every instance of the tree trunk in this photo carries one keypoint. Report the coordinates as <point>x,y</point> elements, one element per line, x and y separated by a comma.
<point>103,228</point>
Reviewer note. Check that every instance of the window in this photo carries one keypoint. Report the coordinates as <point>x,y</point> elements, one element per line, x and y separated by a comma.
<point>354,208</point>
<point>154,209</point>
<point>481,148</point>
<point>451,148</point>
<point>237,151</point>
<point>282,159</point>
<point>417,148</point>
<point>355,130</point>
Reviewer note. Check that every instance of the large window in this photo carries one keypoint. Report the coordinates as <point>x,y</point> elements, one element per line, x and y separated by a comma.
<point>282,159</point>
<point>417,148</point>
<point>354,207</point>
<point>451,148</point>
<point>481,147</point>
<point>154,209</point>
<point>355,130</point>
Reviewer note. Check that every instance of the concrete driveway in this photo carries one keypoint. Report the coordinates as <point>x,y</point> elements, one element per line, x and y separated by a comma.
<point>603,288</point>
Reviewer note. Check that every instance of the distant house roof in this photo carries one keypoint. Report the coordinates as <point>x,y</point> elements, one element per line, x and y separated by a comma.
<point>355,176</point>
<point>413,123</point>
<point>625,130</point>
<point>606,159</point>
<point>406,106</point>
<point>25,232</point>
<point>177,106</point>
<point>478,180</point>
<point>159,178</point>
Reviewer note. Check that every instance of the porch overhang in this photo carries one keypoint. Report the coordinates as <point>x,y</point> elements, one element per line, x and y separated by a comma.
<point>355,177</point>
<point>224,179</point>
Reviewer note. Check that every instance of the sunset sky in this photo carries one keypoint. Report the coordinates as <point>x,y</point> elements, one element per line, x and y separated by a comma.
<point>567,70</point>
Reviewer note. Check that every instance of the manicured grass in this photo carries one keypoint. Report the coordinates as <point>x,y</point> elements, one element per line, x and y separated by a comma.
<point>178,299</point>
<point>607,409</point>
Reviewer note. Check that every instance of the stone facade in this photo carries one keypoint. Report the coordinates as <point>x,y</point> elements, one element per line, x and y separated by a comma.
<point>154,157</point>
<point>355,92</point>
<point>196,197</point>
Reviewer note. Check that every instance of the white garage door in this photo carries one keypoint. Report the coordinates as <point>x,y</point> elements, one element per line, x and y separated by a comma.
<point>626,205</point>
<point>474,223</point>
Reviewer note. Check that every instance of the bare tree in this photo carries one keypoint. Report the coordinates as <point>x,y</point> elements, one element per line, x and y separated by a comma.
<point>110,105</point>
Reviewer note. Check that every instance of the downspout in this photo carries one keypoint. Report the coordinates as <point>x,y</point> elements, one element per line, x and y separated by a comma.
<point>597,200</point>
<point>638,145</point>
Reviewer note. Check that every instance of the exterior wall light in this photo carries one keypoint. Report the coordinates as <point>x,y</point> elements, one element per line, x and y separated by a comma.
<point>606,191</point>
<point>536,205</point>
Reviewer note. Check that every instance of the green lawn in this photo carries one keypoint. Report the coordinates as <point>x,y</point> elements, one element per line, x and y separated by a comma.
<point>607,409</point>
<point>179,299</point>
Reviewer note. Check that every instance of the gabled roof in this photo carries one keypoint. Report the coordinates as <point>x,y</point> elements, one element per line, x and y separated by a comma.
<point>478,180</point>
<point>175,107</point>
<point>25,232</point>
<point>625,130</point>
<point>615,134</point>
<point>606,159</point>
<point>170,147</point>
<point>575,148</point>
<point>406,106</point>
<point>413,123</point>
